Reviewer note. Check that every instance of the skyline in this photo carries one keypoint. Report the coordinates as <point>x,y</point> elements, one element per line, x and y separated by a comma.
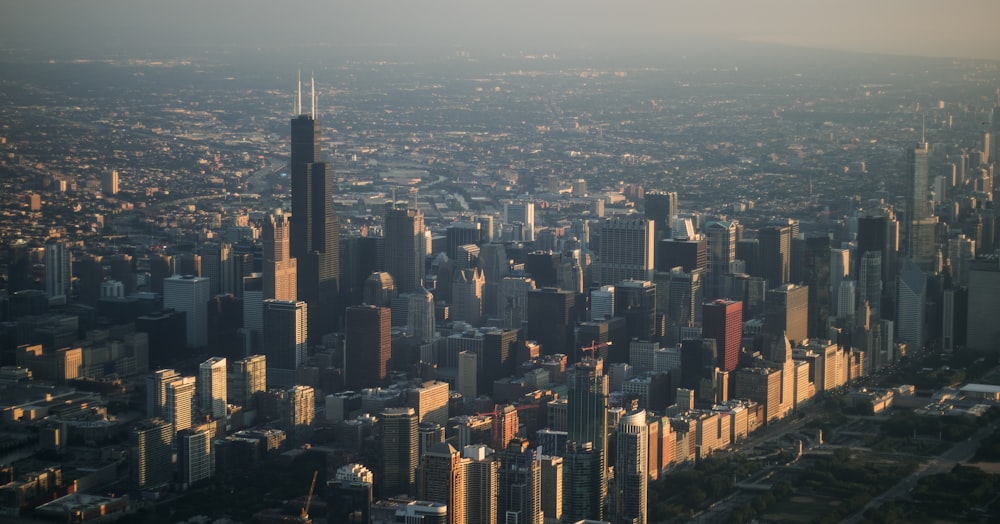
<point>905,27</point>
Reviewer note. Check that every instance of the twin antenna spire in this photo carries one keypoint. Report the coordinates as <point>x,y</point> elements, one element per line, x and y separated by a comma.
<point>298,103</point>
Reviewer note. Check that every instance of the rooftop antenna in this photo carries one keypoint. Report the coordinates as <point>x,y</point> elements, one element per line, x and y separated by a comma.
<point>298,105</point>
<point>312,80</point>
<point>922,130</point>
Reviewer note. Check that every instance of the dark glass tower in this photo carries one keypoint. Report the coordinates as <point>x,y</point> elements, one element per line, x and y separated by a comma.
<point>315,230</point>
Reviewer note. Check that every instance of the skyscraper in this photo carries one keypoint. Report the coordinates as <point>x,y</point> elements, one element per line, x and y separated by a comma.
<point>661,208</point>
<point>190,294</point>
<point>405,246</point>
<point>150,441</point>
<point>315,230</point>
<point>520,479</point>
<point>721,237</point>
<point>787,313</point>
<point>285,339</point>
<point>212,387</point>
<point>552,314</point>
<point>58,275</point>
<point>635,301</point>
<point>588,419</point>
<point>912,304</point>
<point>109,182</point>
<point>722,320</point>
<point>195,456</point>
<point>631,468</point>
<point>521,213</point>
<point>481,484</point>
<point>442,479</point>
<point>626,250</point>
<point>368,346</point>
<point>775,254</point>
<point>420,316</point>
<point>249,377</point>
<point>280,269</point>
<point>179,400</point>
<point>467,296</point>
<point>398,451</point>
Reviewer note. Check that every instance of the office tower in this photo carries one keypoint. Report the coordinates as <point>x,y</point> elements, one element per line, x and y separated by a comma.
<point>420,316</point>
<point>467,296</point>
<point>840,270</point>
<point>150,442</point>
<point>195,456</point>
<point>280,269</point>
<point>787,313</point>
<point>225,326</point>
<point>588,417</point>
<point>379,289</point>
<point>88,288</point>
<point>349,495</point>
<point>190,295</point>
<point>689,254</point>
<point>984,302</point>
<point>405,246</point>
<point>159,269</point>
<point>186,264</point>
<point>775,254</point>
<point>552,314</point>
<point>961,251</point>
<point>109,182</point>
<point>249,378</point>
<point>816,272</point>
<point>870,282</point>
<point>253,311</point>
<point>442,479</point>
<point>661,209</point>
<point>602,303</point>
<point>461,234</point>
<point>285,339</point>
<point>212,387</point>
<point>430,401</point>
<point>748,251</point>
<point>552,488</point>
<point>626,250</point>
<point>917,199</point>
<point>179,401</point>
<point>762,385</point>
<point>520,485</point>
<point>721,236</point>
<point>521,213</point>
<point>123,270</point>
<point>156,391</point>
<point>398,451</point>
<point>879,231</point>
<point>954,315</point>
<point>679,298</point>
<point>217,266</point>
<point>581,480</point>
<point>58,274</point>
<point>481,484</point>
<point>847,299</point>
<point>496,266</point>
<point>367,346</point>
<point>631,468</point>
<point>512,301</point>
<point>543,267</point>
<point>299,411</point>
<point>912,305</point>
<point>699,358</point>
<point>722,320</point>
<point>635,301</point>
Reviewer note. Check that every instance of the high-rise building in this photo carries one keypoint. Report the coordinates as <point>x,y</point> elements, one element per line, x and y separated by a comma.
<point>840,270</point>
<point>602,303</point>
<point>581,481</point>
<point>367,346</point>
<point>315,230</point>
<point>661,208</point>
<point>521,213</point>
<point>775,254</point>
<point>379,289</point>
<point>285,339</point>
<point>467,296</point>
<point>481,484</point>
<point>588,418</point>
<point>249,377</point>
<point>552,488</point>
<point>631,468</point>
<point>512,301</point>
<point>442,479</point>
<point>912,304</point>
<point>520,479</point>
<point>398,451</point>
<point>58,274</point>
<point>212,387</point>
<point>690,254</point>
<point>280,269</point>
<point>430,401</point>
<point>195,456</point>
<point>405,246</point>
<point>253,311</point>
<point>552,314</point>
<point>299,411</point>
<point>150,442</point>
<point>961,251</point>
<point>722,320</point>
<point>420,316</point>
<point>217,266</point>
<point>721,236</point>
<point>626,250</point>
<point>156,391</point>
<point>179,401</point>
<point>635,301</point>
<point>109,182</point>
<point>190,294</point>
<point>870,282</point>
<point>917,195</point>
<point>787,312</point>
<point>816,273</point>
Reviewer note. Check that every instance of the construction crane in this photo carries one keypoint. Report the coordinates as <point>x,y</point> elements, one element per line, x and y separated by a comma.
<point>594,346</point>
<point>305,509</point>
<point>495,414</point>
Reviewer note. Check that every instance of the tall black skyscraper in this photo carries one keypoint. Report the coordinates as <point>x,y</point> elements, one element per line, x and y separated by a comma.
<point>315,230</point>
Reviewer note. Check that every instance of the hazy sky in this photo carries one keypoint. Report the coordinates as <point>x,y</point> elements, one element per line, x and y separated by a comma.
<point>917,27</point>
